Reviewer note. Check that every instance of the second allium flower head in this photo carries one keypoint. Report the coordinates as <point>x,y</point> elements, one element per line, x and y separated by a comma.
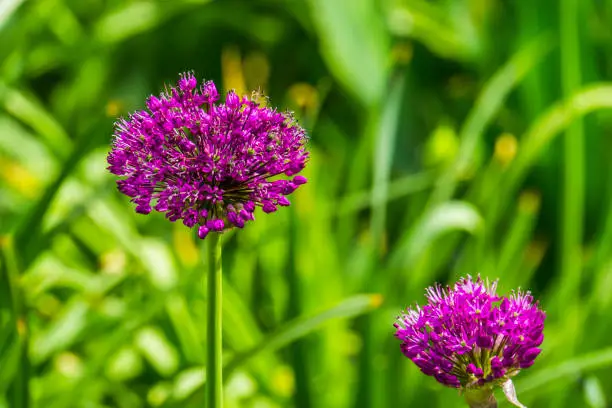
<point>469,337</point>
<point>209,164</point>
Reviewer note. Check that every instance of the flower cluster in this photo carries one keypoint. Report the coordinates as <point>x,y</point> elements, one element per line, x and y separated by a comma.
<point>206,163</point>
<point>467,336</point>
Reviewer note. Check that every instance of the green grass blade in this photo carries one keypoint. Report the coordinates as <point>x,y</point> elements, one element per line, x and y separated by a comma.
<point>16,358</point>
<point>30,112</point>
<point>303,326</point>
<point>186,329</point>
<point>130,19</point>
<point>557,118</point>
<point>431,24</point>
<point>573,160</point>
<point>515,241</point>
<point>7,9</point>
<point>490,100</point>
<point>566,371</point>
<point>383,159</point>
<point>29,236</point>
<point>396,189</point>
<point>450,216</point>
<point>358,58</point>
<point>298,354</point>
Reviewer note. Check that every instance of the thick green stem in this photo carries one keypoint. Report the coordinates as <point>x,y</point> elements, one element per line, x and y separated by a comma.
<point>480,398</point>
<point>214,375</point>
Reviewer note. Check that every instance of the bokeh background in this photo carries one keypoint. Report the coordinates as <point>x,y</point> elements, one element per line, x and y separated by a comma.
<point>448,137</point>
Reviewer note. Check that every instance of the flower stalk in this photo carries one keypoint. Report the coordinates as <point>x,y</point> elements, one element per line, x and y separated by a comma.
<point>214,374</point>
<point>480,398</point>
<point>210,164</point>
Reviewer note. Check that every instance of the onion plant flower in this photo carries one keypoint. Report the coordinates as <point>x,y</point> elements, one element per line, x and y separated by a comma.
<point>468,337</point>
<point>210,164</point>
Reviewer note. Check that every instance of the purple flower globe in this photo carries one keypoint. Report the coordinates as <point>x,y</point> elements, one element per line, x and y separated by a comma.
<point>206,163</point>
<point>468,337</point>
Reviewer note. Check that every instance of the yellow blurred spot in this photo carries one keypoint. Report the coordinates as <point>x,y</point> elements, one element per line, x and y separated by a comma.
<point>113,262</point>
<point>442,146</point>
<point>256,70</point>
<point>113,108</point>
<point>401,53</point>
<point>304,95</point>
<point>184,245</point>
<point>22,327</point>
<point>376,300</point>
<point>529,202</point>
<point>283,380</point>
<point>20,178</point>
<point>383,246</point>
<point>48,305</point>
<point>506,147</point>
<point>231,67</point>
<point>69,364</point>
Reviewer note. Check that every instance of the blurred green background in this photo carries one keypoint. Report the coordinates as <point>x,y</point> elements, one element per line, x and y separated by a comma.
<point>448,137</point>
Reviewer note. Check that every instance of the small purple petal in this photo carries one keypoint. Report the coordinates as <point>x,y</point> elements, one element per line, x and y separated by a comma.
<point>299,180</point>
<point>232,100</point>
<point>268,207</point>
<point>203,231</point>
<point>154,104</point>
<point>187,82</point>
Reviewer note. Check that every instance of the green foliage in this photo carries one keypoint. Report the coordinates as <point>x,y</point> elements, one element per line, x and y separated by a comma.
<point>448,137</point>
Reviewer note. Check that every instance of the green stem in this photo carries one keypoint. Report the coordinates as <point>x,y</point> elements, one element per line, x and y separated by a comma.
<point>214,375</point>
<point>480,398</point>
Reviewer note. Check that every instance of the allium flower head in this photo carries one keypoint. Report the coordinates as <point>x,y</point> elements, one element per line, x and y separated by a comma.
<point>204,162</point>
<point>468,337</point>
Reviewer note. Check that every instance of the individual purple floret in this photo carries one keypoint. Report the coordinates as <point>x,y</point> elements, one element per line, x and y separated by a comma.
<point>468,337</point>
<point>209,164</point>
